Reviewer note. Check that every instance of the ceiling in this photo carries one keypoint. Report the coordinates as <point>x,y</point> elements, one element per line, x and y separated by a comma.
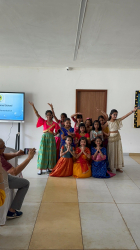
<point>74,33</point>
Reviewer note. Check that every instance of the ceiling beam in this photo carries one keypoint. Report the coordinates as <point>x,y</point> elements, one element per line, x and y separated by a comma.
<point>80,26</point>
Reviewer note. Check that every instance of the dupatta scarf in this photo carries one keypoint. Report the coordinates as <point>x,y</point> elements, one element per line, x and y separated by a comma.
<point>83,160</point>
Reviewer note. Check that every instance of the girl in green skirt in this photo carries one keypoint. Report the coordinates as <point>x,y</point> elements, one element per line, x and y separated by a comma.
<point>47,150</point>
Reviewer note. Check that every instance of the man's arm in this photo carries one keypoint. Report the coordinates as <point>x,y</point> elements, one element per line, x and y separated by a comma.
<point>15,171</point>
<point>9,156</point>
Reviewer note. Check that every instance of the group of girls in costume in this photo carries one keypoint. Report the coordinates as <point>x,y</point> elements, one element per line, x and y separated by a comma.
<point>88,149</point>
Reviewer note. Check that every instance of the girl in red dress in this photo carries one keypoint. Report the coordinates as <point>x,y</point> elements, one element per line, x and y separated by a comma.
<point>81,133</point>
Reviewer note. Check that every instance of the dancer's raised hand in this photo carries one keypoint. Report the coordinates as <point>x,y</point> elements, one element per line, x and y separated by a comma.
<point>135,108</point>
<point>50,104</point>
<point>31,103</point>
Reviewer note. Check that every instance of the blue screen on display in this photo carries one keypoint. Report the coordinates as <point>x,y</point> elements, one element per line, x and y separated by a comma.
<point>11,106</point>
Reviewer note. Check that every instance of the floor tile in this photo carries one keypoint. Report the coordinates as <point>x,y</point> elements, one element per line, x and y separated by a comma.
<point>90,190</point>
<point>30,212</point>
<point>120,176</point>
<point>129,161</point>
<point>103,227</point>
<point>16,233</point>
<point>15,238</point>
<point>133,172</point>
<point>137,182</point>
<point>57,227</point>
<point>31,169</point>
<point>131,215</point>
<point>60,189</point>
<point>124,191</point>
<point>36,190</point>
<point>136,158</point>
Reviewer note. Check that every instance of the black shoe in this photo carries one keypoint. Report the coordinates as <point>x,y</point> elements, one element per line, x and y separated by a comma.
<point>49,171</point>
<point>16,214</point>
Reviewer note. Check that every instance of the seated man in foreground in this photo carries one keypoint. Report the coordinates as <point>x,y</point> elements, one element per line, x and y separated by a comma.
<point>15,182</point>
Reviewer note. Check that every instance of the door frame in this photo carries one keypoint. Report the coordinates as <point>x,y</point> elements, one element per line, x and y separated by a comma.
<point>91,90</point>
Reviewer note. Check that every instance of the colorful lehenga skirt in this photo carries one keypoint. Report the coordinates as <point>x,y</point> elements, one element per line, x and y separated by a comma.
<point>115,152</point>
<point>99,169</point>
<point>77,170</point>
<point>63,168</point>
<point>47,152</point>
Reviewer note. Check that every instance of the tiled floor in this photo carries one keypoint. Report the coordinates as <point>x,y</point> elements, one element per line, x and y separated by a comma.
<point>77,214</point>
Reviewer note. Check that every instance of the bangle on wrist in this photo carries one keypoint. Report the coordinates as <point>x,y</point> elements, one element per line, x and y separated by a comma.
<point>132,111</point>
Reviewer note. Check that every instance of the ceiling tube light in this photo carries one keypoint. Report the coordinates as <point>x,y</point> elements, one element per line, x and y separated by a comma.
<point>80,26</point>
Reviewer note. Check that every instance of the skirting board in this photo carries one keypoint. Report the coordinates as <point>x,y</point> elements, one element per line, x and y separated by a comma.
<point>134,154</point>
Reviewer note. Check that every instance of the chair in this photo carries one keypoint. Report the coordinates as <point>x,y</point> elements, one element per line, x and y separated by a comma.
<point>8,200</point>
<point>9,192</point>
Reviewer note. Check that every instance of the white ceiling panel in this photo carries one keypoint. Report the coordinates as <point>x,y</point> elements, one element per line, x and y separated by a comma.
<point>111,34</point>
<point>38,32</point>
<point>43,33</point>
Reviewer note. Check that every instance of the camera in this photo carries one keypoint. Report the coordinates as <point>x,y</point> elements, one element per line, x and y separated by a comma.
<point>67,68</point>
<point>26,151</point>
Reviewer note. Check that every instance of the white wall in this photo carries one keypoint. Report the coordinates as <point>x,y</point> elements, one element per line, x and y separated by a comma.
<point>57,86</point>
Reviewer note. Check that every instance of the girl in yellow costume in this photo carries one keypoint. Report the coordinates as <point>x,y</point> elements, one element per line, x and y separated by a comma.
<point>2,192</point>
<point>81,167</point>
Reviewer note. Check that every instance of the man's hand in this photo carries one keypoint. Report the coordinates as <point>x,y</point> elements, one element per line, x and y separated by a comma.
<point>31,153</point>
<point>20,152</point>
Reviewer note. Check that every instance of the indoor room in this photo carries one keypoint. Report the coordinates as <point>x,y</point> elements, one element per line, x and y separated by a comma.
<point>69,124</point>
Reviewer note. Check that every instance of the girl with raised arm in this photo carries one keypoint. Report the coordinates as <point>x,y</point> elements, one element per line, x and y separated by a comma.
<point>60,122</point>
<point>115,153</point>
<point>64,166</point>
<point>77,118</point>
<point>63,116</point>
<point>82,167</point>
<point>47,151</point>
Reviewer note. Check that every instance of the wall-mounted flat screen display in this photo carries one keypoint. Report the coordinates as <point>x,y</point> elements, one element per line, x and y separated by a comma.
<point>12,106</point>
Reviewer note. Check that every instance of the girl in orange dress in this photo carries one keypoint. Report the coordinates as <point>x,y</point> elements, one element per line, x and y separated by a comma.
<point>82,167</point>
<point>81,133</point>
<point>64,166</point>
